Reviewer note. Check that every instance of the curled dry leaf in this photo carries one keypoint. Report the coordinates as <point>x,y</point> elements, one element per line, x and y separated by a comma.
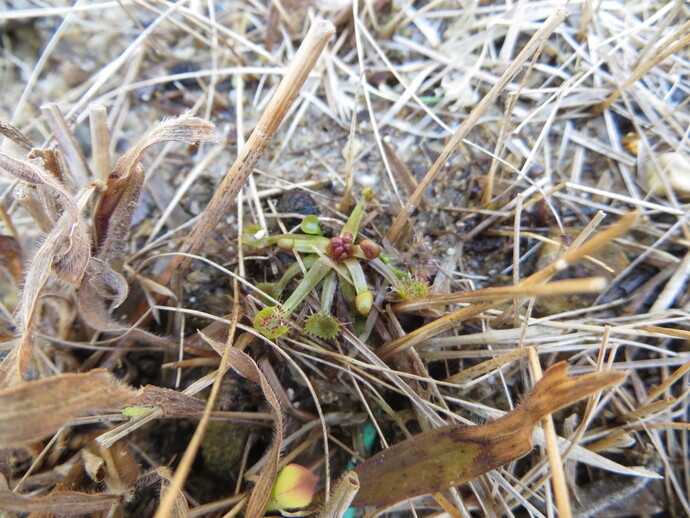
<point>454,454</point>
<point>37,409</point>
<point>341,496</point>
<point>113,214</point>
<point>123,470</point>
<point>104,287</point>
<point>102,290</point>
<point>65,252</point>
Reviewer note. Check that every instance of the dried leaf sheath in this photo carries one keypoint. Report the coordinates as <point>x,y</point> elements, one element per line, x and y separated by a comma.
<point>455,454</point>
<point>113,215</point>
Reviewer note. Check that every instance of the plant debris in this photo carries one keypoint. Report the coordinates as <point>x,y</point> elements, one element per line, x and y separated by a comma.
<point>479,190</point>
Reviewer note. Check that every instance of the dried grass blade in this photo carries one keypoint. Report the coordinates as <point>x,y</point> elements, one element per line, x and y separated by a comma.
<point>402,173</point>
<point>14,134</point>
<point>563,287</point>
<point>63,503</point>
<point>456,318</point>
<point>180,507</point>
<point>36,409</point>
<point>76,162</point>
<point>100,141</point>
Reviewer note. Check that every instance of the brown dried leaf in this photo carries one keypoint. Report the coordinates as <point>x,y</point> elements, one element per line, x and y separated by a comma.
<point>76,479</point>
<point>246,367</point>
<point>113,215</point>
<point>454,454</point>
<point>101,290</point>
<point>67,503</point>
<point>32,171</point>
<point>94,464</point>
<point>77,166</point>
<point>36,409</point>
<point>65,252</point>
<point>121,469</point>
<point>11,256</point>
<point>172,402</point>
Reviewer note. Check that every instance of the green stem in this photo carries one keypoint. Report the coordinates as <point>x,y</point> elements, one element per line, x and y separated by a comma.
<point>317,272</point>
<point>357,275</point>
<point>364,300</point>
<point>301,242</point>
<point>328,292</point>
<point>294,270</point>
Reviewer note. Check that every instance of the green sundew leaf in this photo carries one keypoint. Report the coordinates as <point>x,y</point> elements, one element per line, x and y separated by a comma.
<point>310,225</point>
<point>353,222</point>
<point>306,244</point>
<point>359,280</point>
<point>411,287</point>
<point>451,455</point>
<point>330,283</point>
<point>322,325</point>
<point>348,292</point>
<point>271,322</point>
<point>295,269</point>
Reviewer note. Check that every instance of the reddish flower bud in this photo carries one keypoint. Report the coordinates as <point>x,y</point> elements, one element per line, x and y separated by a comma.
<point>340,248</point>
<point>371,250</point>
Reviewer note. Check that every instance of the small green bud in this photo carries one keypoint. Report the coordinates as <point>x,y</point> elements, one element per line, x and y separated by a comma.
<point>364,302</point>
<point>293,488</point>
<point>135,411</point>
<point>285,243</point>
